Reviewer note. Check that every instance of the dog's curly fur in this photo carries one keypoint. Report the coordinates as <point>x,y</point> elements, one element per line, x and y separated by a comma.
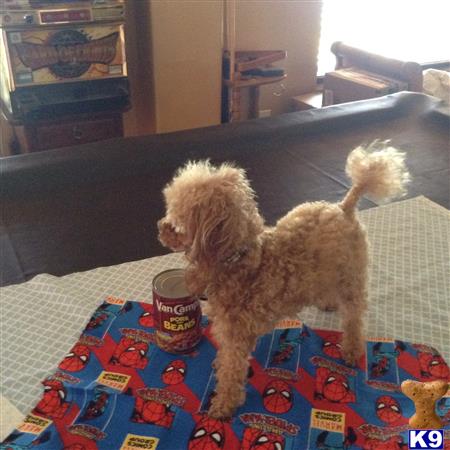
<point>256,275</point>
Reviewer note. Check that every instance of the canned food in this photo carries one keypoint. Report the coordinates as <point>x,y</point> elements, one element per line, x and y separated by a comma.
<point>177,314</point>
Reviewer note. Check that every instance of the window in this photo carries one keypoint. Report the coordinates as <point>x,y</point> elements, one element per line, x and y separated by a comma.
<point>407,30</point>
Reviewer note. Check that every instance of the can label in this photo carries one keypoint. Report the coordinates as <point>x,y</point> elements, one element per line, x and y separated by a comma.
<point>177,322</point>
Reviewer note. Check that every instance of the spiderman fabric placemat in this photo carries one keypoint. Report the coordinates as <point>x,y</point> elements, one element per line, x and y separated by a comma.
<point>117,390</point>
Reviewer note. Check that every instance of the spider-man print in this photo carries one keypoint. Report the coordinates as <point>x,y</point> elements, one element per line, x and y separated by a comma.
<point>380,367</point>
<point>333,386</point>
<point>8,442</point>
<point>130,353</point>
<point>81,407</point>
<point>433,366</point>
<point>99,317</point>
<point>382,359</point>
<point>151,411</point>
<point>443,409</point>
<point>392,443</point>
<point>174,372</point>
<point>256,439</point>
<point>53,403</point>
<point>323,440</point>
<point>388,409</point>
<point>76,359</point>
<point>208,434</point>
<point>277,397</point>
<point>96,407</point>
<point>332,347</point>
<point>287,346</point>
<point>42,439</point>
<point>127,307</point>
<point>97,320</point>
<point>146,318</point>
<point>207,403</point>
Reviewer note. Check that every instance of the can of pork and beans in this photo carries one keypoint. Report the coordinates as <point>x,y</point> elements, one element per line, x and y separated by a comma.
<point>177,314</point>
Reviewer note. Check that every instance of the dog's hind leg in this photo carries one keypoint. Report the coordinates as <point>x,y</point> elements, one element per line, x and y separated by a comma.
<point>327,300</point>
<point>352,311</point>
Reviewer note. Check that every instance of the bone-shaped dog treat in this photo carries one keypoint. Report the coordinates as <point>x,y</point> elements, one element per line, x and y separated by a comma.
<point>425,396</point>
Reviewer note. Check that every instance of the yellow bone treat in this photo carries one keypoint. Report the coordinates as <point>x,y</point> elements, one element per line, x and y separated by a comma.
<point>425,396</point>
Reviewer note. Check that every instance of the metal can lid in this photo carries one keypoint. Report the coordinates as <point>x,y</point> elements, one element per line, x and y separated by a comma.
<point>171,284</point>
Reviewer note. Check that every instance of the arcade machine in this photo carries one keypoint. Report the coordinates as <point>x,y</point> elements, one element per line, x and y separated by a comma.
<point>63,74</point>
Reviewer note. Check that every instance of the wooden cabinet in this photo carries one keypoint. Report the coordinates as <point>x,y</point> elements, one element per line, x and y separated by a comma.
<point>46,135</point>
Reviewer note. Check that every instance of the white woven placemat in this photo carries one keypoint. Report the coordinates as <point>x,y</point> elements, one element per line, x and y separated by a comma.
<point>409,296</point>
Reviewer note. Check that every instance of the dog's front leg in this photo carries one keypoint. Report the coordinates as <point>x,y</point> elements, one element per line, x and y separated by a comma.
<point>231,366</point>
<point>196,280</point>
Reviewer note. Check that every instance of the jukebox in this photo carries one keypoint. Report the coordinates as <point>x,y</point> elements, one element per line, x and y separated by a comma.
<point>63,68</point>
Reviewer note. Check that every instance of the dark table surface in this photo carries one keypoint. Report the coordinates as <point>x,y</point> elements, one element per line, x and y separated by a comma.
<point>95,205</point>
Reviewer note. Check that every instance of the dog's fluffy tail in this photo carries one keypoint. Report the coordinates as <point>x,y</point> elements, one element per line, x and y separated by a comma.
<point>378,171</point>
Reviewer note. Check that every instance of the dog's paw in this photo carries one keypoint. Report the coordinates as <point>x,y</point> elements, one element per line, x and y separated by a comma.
<point>352,355</point>
<point>219,409</point>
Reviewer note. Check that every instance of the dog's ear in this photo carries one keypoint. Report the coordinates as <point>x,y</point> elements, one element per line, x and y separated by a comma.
<point>224,217</point>
<point>214,231</point>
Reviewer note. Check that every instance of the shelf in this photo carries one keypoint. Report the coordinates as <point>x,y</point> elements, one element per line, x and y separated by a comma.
<point>253,82</point>
<point>246,60</point>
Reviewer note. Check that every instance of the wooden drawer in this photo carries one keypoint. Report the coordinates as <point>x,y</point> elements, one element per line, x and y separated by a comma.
<point>48,135</point>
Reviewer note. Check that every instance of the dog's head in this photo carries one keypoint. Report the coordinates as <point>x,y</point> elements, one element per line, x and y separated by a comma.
<point>211,212</point>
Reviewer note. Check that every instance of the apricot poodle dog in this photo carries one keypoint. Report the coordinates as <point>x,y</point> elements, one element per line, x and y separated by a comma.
<point>255,275</point>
